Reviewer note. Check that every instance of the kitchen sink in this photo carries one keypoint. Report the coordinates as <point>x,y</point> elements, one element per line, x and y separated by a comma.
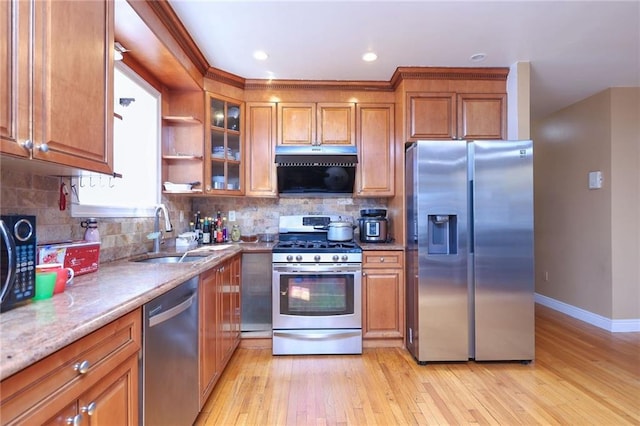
<point>168,259</point>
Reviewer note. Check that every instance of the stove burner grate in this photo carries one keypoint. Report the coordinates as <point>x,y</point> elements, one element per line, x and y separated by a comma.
<point>329,245</point>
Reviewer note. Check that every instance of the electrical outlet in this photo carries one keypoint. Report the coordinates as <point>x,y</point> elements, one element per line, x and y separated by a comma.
<point>181,216</point>
<point>546,275</point>
<point>232,215</point>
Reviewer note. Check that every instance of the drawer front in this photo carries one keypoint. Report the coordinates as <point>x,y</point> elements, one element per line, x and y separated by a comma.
<point>52,383</point>
<point>382,259</point>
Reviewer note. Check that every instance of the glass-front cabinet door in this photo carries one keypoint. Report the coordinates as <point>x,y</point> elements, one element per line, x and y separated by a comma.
<point>224,169</point>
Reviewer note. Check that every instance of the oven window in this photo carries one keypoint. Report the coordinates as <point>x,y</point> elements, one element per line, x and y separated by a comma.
<point>316,295</point>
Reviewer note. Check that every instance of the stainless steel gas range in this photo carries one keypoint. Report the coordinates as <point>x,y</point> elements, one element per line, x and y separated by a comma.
<point>317,289</point>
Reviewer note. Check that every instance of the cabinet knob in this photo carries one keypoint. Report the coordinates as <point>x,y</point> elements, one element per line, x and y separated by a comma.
<point>89,409</point>
<point>82,367</point>
<point>75,420</point>
<point>28,144</point>
<point>43,147</point>
<point>382,260</point>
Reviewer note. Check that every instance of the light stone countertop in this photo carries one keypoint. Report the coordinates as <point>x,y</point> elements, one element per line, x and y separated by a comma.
<point>31,332</point>
<point>381,246</point>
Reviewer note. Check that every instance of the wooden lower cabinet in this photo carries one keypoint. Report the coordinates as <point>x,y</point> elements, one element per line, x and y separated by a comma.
<point>383,297</point>
<point>93,381</point>
<point>219,297</point>
<point>108,403</point>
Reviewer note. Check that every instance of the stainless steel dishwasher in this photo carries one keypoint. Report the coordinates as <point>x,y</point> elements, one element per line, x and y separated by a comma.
<point>169,363</point>
<point>256,293</point>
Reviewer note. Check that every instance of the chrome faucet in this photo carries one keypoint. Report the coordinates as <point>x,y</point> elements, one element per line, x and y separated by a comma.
<point>156,226</point>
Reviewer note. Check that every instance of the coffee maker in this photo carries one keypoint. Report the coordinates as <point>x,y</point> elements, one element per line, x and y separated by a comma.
<point>373,225</point>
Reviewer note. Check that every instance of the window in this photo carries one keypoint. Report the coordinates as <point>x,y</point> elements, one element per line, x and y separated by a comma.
<point>136,142</point>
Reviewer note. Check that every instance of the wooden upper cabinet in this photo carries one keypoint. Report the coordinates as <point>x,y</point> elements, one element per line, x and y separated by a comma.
<point>376,153</point>
<point>14,72</point>
<point>482,116</point>
<point>260,170</point>
<point>224,145</point>
<point>296,124</point>
<point>336,124</point>
<point>183,138</point>
<point>316,124</point>
<point>431,116</point>
<point>73,83</point>
<point>456,116</point>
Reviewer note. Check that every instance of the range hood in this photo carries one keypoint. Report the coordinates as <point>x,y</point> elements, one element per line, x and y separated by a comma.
<point>316,170</point>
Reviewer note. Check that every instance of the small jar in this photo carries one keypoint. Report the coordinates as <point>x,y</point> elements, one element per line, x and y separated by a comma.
<point>91,232</point>
<point>235,233</point>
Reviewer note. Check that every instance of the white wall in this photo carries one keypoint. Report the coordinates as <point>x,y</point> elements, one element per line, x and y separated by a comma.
<point>587,240</point>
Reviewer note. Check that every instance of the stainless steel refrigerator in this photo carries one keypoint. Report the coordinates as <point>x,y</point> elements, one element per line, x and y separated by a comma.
<point>470,282</point>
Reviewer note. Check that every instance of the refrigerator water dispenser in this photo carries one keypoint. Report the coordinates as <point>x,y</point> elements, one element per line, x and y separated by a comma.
<point>442,232</point>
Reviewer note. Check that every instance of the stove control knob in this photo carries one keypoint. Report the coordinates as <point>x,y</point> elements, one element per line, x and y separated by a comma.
<point>299,258</point>
<point>289,258</point>
<point>316,258</point>
<point>335,258</point>
<point>345,257</point>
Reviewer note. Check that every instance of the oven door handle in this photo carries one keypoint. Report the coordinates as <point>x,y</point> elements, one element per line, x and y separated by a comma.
<point>318,336</point>
<point>318,268</point>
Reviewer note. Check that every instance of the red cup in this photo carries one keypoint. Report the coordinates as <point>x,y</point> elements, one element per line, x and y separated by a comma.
<point>64,275</point>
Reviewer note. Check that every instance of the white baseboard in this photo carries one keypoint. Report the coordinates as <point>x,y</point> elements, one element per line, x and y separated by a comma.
<point>614,326</point>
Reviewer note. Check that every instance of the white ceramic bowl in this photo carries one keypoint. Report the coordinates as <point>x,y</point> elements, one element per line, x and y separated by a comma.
<point>168,186</point>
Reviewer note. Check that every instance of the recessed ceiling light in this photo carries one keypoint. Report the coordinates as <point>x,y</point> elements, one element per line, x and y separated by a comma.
<point>260,55</point>
<point>369,57</point>
<point>478,57</point>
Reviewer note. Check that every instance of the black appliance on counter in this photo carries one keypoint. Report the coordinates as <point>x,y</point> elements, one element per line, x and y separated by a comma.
<point>373,225</point>
<point>17,260</point>
<point>317,289</point>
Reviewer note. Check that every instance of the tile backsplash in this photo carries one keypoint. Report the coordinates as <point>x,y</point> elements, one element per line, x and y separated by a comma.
<point>22,192</point>
<point>260,215</point>
<point>25,193</point>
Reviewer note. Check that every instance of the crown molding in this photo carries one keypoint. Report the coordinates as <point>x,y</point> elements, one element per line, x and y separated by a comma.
<point>172,23</point>
<point>447,73</point>
<point>225,77</point>
<point>317,85</point>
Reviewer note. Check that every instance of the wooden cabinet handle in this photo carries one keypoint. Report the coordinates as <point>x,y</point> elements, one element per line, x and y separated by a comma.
<point>75,420</point>
<point>82,367</point>
<point>89,409</point>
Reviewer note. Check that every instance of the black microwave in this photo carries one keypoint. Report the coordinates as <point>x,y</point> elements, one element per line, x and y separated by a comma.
<point>17,260</point>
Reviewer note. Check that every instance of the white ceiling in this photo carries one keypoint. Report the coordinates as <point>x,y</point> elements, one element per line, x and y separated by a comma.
<point>576,48</point>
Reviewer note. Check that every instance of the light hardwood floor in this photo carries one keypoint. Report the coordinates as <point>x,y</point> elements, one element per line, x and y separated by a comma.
<point>581,375</point>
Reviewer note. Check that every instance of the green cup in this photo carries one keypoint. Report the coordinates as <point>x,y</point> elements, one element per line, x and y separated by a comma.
<point>45,284</point>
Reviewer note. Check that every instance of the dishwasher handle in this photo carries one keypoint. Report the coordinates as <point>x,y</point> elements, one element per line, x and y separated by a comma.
<point>171,312</point>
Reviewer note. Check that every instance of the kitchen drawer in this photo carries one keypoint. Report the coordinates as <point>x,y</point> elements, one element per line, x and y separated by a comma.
<point>382,259</point>
<point>52,383</point>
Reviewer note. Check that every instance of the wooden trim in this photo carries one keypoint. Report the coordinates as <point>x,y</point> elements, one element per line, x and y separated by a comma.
<point>225,77</point>
<point>170,20</point>
<point>445,73</point>
<point>382,86</point>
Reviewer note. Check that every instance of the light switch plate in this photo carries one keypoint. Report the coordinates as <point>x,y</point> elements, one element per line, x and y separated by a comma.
<point>232,215</point>
<point>595,180</point>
